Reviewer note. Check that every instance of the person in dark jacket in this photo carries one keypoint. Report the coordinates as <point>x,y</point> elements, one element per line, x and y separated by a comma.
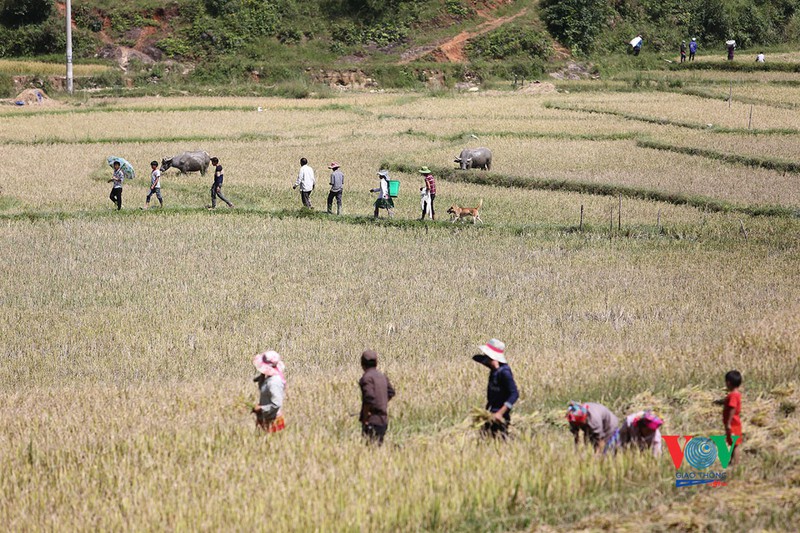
<point>501,392</point>
<point>376,391</point>
<point>216,187</point>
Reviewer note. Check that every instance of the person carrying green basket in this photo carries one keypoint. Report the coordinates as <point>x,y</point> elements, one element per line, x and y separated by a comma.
<point>384,200</point>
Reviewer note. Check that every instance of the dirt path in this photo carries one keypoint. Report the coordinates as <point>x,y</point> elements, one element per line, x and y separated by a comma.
<point>452,50</point>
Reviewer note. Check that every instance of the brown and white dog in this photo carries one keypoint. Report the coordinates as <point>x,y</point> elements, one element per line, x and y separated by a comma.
<point>458,213</point>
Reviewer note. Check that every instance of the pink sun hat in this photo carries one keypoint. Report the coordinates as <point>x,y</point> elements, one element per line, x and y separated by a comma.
<point>494,349</point>
<point>270,364</point>
<point>334,165</point>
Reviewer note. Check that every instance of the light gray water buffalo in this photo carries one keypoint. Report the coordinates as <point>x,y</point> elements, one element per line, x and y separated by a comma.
<point>475,158</point>
<point>188,162</point>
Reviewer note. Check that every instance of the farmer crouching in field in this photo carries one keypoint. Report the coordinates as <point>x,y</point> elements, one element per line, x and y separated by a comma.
<point>376,391</point>
<point>116,190</point>
<point>596,421</point>
<point>155,185</point>
<point>639,430</point>
<point>271,385</point>
<point>501,392</point>
<point>216,188</point>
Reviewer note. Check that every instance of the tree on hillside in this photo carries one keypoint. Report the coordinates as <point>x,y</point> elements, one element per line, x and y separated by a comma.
<point>576,23</point>
<point>20,12</point>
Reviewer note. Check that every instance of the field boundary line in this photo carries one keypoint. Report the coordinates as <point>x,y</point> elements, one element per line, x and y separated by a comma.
<point>458,137</point>
<point>601,189</point>
<point>750,161</point>
<point>184,109</point>
<point>670,122</point>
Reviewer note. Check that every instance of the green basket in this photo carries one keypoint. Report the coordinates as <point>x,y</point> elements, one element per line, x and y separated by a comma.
<point>394,188</point>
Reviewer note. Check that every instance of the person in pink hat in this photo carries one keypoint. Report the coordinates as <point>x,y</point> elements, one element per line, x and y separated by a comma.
<point>337,186</point>
<point>639,431</point>
<point>501,392</point>
<point>271,385</point>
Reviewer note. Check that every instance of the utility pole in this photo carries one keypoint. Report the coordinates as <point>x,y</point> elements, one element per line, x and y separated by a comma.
<point>69,46</point>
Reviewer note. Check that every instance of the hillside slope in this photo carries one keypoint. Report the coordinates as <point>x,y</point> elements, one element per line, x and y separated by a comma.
<point>269,41</point>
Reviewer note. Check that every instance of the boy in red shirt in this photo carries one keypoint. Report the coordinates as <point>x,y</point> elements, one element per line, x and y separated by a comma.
<point>731,409</point>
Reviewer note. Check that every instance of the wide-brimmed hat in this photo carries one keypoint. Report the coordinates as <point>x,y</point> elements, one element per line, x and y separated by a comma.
<point>333,165</point>
<point>269,363</point>
<point>694,39</point>
<point>425,170</point>
<point>494,349</point>
<point>383,173</point>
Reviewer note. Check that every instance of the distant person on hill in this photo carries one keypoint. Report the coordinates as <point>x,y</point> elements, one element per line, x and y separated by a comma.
<point>116,190</point>
<point>216,187</point>
<point>155,185</point>
<point>637,45</point>
<point>683,51</point>
<point>271,381</point>
<point>760,57</point>
<point>639,430</point>
<point>692,49</point>
<point>430,184</point>
<point>732,408</point>
<point>731,46</point>
<point>501,392</point>
<point>384,201</point>
<point>376,391</point>
<point>306,181</point>
<point>337,186</point>
<point>596,421</point>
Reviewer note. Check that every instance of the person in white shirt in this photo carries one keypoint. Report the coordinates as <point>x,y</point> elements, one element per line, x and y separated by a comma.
<point>155,185</point>
<point>306,182</point>
<point>760,57</point>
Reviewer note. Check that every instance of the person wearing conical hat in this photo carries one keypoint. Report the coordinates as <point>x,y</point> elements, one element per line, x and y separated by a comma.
<point>337,186</point>
<point>501,392</point>
<point>271,380</point>
<point>430,184</point>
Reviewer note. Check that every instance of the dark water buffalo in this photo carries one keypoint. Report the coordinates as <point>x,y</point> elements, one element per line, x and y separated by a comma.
<point>188,162</point>
<point>475,158</point>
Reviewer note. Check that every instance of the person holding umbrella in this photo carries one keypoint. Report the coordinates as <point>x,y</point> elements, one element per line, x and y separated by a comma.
<point>116,190</point>
<point>501,392</point>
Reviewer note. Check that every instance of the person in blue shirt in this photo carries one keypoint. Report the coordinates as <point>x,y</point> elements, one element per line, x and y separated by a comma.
<point>692,49</point>
<point>501,392</point>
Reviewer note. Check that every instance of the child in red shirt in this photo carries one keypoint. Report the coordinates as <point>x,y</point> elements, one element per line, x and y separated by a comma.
<point>732,407</point>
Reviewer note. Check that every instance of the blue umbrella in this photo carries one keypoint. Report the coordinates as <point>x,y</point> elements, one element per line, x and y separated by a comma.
<point>126,167</point>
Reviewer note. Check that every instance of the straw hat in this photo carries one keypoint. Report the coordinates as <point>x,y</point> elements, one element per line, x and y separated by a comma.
<point>334,165</point>
<point>425,170</point>
<point>494,349</point>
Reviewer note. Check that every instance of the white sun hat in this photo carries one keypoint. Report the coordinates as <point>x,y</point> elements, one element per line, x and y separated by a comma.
<point>495,349</point>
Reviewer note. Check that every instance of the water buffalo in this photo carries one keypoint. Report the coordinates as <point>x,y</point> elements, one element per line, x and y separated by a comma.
<point>475,158</point>
<point>187,162</point>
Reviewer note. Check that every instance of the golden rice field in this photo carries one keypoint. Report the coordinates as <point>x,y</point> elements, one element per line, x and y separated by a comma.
<point>128,336</point>
<point>40,68</point>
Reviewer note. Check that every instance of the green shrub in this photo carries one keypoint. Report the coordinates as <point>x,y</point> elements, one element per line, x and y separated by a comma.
<point>576,23</point>
<point>508,42</point>
<point>174,47</point>
<point>6,85</point>
<point>456,8</point>
<point>20,12</point>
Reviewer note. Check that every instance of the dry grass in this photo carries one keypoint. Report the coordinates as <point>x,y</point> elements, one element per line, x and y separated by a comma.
<point>127,337</point>
<point>39,68</point>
